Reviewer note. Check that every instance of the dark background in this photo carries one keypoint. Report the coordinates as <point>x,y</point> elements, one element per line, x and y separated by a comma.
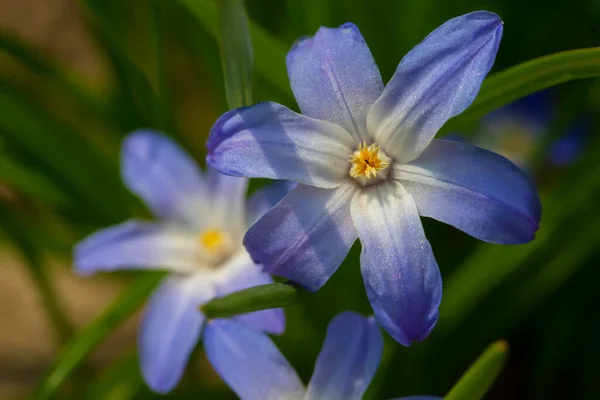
<point>76,76</point>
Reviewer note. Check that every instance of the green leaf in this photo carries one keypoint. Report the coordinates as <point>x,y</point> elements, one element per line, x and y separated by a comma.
<point>131,78</point>
<point>119,381</point>
<point>254,299</point>
<point>66,154</point>
<point>529,77</point>
<point>481,374</point>
<point>491,264</point>
<point>22,234</point>
<point>76,351</point>
<point>236,53</point>
<point>29,182</point>
<point>269,52</point>
<point>39,64</point>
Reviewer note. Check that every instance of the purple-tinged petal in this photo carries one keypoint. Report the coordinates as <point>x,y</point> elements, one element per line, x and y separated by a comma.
<point>227,203</point>
<point>170,329</point>
<point>168,180</point>
<point>334,78</point>
<point>268,140</point>
<point>249,362</point>
<point>348,360</point>
<point>266,197</point>
<point>239,273</point>
<point>306,236</point>
<point>435,81</point>
<point>474,190</point>
<point>136,245</point>
<point>401,276</point>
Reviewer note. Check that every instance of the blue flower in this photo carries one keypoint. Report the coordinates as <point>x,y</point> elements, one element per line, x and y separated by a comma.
<point>368,166</point>
<point>515,131</point>
<point>254,368</point>
<point>202,219</point>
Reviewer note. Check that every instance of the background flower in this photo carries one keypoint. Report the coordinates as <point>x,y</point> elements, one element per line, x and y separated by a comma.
<point>198,239</point>
<point>254,368</point>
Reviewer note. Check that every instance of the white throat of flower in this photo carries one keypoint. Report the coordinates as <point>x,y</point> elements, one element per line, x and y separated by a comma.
<point>216,245</point>
<point>369,164</point>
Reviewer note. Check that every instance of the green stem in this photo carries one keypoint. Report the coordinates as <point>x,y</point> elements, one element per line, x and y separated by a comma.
<point>254,299</point>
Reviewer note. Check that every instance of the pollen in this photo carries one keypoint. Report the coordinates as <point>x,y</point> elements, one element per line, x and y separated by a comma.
<point>367,161</point>
<point>215,242</point>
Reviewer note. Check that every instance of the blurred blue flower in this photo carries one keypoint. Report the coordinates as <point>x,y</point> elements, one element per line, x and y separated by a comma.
<point>516,130</point>
<point>202,218</point>
<point>368,166</point>
<point>253,367</point>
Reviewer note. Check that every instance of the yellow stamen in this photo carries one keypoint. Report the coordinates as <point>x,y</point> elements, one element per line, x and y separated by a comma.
<point>211,239</point>
<point>366,161</point>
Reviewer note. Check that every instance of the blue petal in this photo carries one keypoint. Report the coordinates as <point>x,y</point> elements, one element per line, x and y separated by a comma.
<point>568,148</point>
<point>401,276</point>
<point>227,203</point>
<point>170,329</point>
<point>266,197</point>
<point>136,245</point>
<point>268,140</point>
<point>334,78</point>
<point>306,236</point>
<point>474,190</point>
<point>250,364</point>
<point>435,81</point>
<point>241,273</point>
<point>157,170</point>
<point>348,360</point>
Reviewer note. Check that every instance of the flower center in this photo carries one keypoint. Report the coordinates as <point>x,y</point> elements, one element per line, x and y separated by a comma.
<point>369,164</point>
<point>216,244</point>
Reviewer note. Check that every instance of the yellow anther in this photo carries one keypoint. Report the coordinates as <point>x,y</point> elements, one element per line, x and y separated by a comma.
<point>367,161</point>
<point>212,239</point>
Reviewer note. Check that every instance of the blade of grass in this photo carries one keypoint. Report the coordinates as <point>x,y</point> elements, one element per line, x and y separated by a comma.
<point>269,52</point>
<point>82,345</point>
<point>19,233</point>
<point>237,57</point>
<point>480,376</point>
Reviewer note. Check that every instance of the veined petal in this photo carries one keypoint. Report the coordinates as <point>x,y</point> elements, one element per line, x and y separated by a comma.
<point>266,197</point>
<point>401,276</point>
<point>474,190</point>
<point>435,81</point>
<point>239,273</point>
<point>250,364</point>
<point>136,245</point>
<point>306,236</point>
<point>334,78</point>
<point>348,360</point>
<point>227,203</point>
<point>268,140</point>
<point>170,329</point>
<point>168,180</point>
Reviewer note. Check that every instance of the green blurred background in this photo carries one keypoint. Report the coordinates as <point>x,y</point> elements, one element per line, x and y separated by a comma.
<point>76,76</point>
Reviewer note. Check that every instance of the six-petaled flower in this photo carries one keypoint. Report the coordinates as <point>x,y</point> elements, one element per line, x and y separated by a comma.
<point>198,238</point>
<point>368,166</point>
